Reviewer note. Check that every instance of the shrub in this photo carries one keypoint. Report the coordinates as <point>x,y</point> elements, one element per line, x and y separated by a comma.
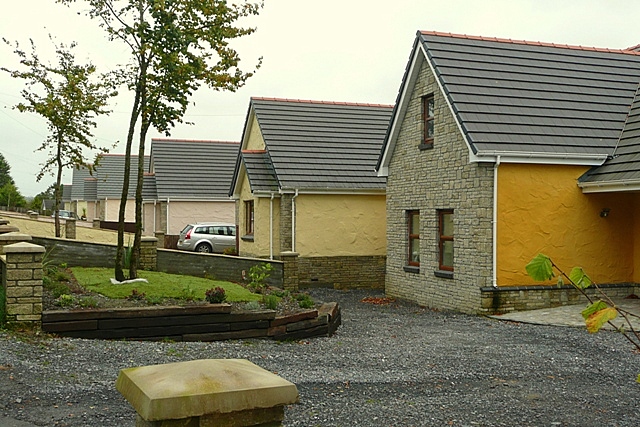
<point>230,251</point>
<point>89,302</point>
<point>305,301</point>
<point>252,305</point>
<point>270,301</point>
<point>187,294</point>
<point>215,295</point>
<point>258,275</point>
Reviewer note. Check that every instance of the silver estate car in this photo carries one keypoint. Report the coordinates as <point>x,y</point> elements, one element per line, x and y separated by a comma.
<point>209,237</point>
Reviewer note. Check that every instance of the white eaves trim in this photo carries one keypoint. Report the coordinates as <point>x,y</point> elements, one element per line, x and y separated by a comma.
<point>539,158</point>
<point>609,187</point>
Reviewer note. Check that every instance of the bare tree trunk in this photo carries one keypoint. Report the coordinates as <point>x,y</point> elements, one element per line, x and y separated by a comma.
<point>58,191</point>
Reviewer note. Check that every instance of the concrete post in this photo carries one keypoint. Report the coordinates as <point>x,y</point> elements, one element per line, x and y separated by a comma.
<point>96,223</point>
<point>148,253</point>
<point>24,283</point>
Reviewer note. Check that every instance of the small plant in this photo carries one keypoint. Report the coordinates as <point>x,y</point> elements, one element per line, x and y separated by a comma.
<point>136,295</point>
<point>258,275</point>
<point>270,301</point>
<point>187,294</point>
<point>89,302</point>
<point>126,262</point>
<point>154,300</point>
<point>252,306</point>
<point>215,295</point>
<point>64,265</point>
<point>65,300</point>
<point>230,251</point>
<point>305,301</point>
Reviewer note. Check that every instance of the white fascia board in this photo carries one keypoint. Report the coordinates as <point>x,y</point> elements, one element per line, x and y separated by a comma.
<point>538,158</point>
<point>334,192</point>
<point>610,186</point>
<point>403,103</point>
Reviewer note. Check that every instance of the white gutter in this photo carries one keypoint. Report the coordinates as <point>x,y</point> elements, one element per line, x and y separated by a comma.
<point>494,274</point>
<point>538,158</point>
<point>154,217</point>
<point>293,222</point>
<point>610,186</point>
<point>271,227</point>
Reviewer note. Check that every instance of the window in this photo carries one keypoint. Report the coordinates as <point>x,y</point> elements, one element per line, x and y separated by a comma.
<point>248,210</point>
<point>428,107</point>
<point>445,240</point>
<point>413,253</point>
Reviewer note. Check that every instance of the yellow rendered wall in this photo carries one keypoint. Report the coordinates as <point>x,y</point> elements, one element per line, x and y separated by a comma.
<point>340,225</point>
<point>542,209</point>
<point>111,207</point>
<point>255,142</point>
<point>260,246</point>
<point>636,238</point>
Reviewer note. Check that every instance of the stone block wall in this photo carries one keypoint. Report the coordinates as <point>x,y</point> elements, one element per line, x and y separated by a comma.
<point>428,180</point>
<point>148,253</point>
<point>343,272</point>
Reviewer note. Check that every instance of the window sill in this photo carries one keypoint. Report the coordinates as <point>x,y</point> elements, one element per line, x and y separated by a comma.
<point>247,238</point>
<point>443,274</point>
<point>411,269</point>
<point>424,146</point>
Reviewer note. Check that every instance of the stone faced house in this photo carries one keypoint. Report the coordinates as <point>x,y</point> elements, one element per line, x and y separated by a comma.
<point>305,184</point>
<point>499,150</point>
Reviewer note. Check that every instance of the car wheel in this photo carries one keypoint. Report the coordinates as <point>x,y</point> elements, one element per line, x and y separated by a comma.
<point>203,247</point>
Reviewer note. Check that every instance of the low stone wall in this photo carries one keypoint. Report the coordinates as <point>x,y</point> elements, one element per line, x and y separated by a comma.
<point>218,267</point>
<point>77,254</point>
<point>342,272</point>
<point>211,322</point>
<point>503,300</point>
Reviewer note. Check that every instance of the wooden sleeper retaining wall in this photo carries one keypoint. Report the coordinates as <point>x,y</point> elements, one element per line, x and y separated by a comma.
<point>213,322</point>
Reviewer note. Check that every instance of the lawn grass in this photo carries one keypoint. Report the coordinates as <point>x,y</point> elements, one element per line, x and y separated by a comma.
<point>161,285</point>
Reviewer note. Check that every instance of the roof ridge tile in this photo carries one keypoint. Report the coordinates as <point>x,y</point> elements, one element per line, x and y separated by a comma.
<point>627,51</point>
<point>310,101</point>
<point>208,141</point>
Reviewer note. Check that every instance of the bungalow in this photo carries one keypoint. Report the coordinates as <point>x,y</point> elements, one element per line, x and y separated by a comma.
<point>499,150</point>
<point>188,182</point>
<point>305,185</point>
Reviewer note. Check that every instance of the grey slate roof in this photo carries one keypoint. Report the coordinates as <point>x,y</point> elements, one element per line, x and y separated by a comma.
<point>315,145</point>
<point>66,192</point>
<point>262,176</point>
<point>90,190</point>
<point>149,190</point>
<point>624,165</point>
<point>110,175</point>
<point>535,97</point>
<point>517,97</point>
<point>188,169</point>
<point>77,181</point>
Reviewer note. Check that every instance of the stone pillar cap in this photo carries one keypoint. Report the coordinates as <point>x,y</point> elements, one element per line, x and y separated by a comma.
<point>23,247</point>
<point>148,239</point>
<point>198,387</point>
<point>15,235</point>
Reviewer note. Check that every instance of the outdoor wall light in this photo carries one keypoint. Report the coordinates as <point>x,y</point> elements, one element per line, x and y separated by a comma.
<point>604,212</point>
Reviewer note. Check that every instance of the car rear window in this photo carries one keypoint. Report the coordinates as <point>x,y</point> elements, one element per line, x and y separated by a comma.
<point>186,229</point>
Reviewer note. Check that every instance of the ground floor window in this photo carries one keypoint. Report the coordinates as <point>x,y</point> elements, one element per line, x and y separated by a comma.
<point>445,239</point>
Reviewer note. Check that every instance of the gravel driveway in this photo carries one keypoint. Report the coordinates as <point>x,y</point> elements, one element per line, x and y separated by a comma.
<point>393,365</point>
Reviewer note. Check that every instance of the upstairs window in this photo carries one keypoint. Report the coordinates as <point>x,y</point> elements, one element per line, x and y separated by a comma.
<point>445,240</point>
<point>428,111</point>
<point>413,225</point>
<point>249,218</point>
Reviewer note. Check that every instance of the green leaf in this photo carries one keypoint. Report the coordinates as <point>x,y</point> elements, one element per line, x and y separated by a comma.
<point>580,278</point>
<point>599,318</point>
<point>539,268</point>
<point>638,380</point>
<point>593,308</point>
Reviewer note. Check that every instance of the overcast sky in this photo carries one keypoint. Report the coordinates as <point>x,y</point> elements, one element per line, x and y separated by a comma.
<point>333,50</point>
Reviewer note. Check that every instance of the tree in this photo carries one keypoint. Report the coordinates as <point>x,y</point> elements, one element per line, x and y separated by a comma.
<point>69,96</point>
<point>5,176</point>
<point>48,194</point>
<point>175,47</point>
<point>10,196</point>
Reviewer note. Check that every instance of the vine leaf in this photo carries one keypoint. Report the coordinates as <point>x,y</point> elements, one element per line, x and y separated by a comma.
<point>595,321</point>
<point>580,278</point>
<point>540,268</point>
